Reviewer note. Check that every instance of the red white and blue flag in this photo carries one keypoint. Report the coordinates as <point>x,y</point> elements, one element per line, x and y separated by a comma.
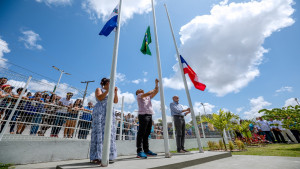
<point>193,76</point>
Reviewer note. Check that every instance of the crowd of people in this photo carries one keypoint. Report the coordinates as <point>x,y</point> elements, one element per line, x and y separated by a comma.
<point>270,131</point>
<point>42,111</point>
<point>130,127</point>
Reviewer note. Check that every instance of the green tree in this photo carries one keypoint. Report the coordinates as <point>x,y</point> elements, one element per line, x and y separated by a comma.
<point>290,116</point>
<point>222,121</point>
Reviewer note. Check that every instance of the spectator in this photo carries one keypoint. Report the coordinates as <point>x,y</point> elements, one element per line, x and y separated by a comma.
<point>50,113</point>
<point>274,128</point>
<point>126,127</point>
<point>9,103</point>
<point>37,109</point>
<point>61,115</point>
<point>29,94</point>
<point>286,132</point>
<point>118,119</point>
<point>72,117</point>
<point>264,129</point>
<point>131,133</point>
<point>85,122</point>
<point>20,108</point>
<point>3,81</point>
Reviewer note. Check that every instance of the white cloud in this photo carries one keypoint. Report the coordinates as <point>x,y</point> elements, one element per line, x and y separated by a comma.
<point>30,39</point>
<point>256,105</point>
<point>145,73</point>
<point>239,109</point>
<point>120,77</point>
<point>291,102</point>
<point>176,82</point>
<point>285,89</point>
<point>56,2</point>
<point>137,81</point>
<point>199,108</point>
<point>45,85</point>
<point>102,9</point>
<point>225,2</point>
<point>3,49</point>
<point>225,47</point>
<point>129,98</point>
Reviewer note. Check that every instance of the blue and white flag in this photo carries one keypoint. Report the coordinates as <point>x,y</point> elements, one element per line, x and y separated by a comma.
<point>111,24</point>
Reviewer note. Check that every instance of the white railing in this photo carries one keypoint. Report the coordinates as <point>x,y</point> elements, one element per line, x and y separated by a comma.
<point>37,118</point>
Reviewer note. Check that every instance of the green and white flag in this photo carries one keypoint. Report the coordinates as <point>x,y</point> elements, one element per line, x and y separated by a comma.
<point>147,40</point>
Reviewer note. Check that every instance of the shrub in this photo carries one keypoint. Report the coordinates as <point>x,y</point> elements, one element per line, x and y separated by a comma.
<point>217,146</point>
<point>231,145</point>
<point>221,144</point>
<point>243,146</point>
<point>239,144</point>
<point>211,145</point>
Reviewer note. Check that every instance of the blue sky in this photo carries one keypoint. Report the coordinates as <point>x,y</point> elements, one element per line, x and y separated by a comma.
<point>246,52</point>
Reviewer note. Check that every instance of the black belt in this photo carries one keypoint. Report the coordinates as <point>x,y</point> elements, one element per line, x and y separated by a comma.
<point>178,116</point>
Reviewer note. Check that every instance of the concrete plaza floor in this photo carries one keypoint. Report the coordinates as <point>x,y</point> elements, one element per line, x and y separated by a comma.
<point>252,162</point>
<point>194,160</point>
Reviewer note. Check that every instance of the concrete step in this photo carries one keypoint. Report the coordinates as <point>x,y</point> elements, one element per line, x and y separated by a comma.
<point>158,162</point>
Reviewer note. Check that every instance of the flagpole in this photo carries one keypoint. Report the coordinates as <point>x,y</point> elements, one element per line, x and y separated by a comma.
<point>162,97</point>
<point>186,88</point>
<point>109,107</point>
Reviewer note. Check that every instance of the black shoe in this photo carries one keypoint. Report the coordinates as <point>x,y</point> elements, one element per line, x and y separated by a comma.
<point>186,151</point>
<point>111,161</point>
<point>181,151</point>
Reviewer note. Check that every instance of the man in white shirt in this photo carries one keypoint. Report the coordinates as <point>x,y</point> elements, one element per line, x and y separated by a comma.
<point>286,132</point>
<point>276,131</point>
<point>264,129</point>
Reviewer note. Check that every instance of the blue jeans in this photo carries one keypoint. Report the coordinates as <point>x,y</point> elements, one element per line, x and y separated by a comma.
<point>36,119</point>
<point>59,121</point>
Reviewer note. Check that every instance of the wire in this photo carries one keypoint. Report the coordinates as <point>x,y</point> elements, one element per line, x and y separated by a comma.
<point>28,70</point>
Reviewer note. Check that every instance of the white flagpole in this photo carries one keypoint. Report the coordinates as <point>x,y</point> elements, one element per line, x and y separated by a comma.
<point>186,88</point>
<point>109,107</point>
<point>162,97</point>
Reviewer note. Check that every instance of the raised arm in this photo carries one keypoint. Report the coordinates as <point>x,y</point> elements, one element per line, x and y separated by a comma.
<point>100,95</point>
<point>153,92</point>
<point>116,99</point>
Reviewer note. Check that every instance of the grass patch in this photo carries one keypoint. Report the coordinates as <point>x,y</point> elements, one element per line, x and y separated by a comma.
<point>6,166</point>
<point>288,150</point>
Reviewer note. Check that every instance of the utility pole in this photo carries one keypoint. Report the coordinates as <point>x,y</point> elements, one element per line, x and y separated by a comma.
<point>87,83</point>
<point>297,101</point>
<point>61,73</point>
<point>204,109</point>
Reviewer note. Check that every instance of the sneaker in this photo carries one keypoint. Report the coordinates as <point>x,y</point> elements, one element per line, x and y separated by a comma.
<point>150,153</point>
<point>141,155</point>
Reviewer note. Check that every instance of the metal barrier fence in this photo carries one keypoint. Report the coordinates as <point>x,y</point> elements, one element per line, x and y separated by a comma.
<point>29,108</point>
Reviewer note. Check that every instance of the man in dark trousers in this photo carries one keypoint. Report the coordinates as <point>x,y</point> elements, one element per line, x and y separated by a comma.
<point>145,113</point>
<point>178,114</point>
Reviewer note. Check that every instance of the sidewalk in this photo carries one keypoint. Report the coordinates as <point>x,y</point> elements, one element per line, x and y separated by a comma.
<point>207,160</point>
<point>252,162</point>
<point>177,161</point>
